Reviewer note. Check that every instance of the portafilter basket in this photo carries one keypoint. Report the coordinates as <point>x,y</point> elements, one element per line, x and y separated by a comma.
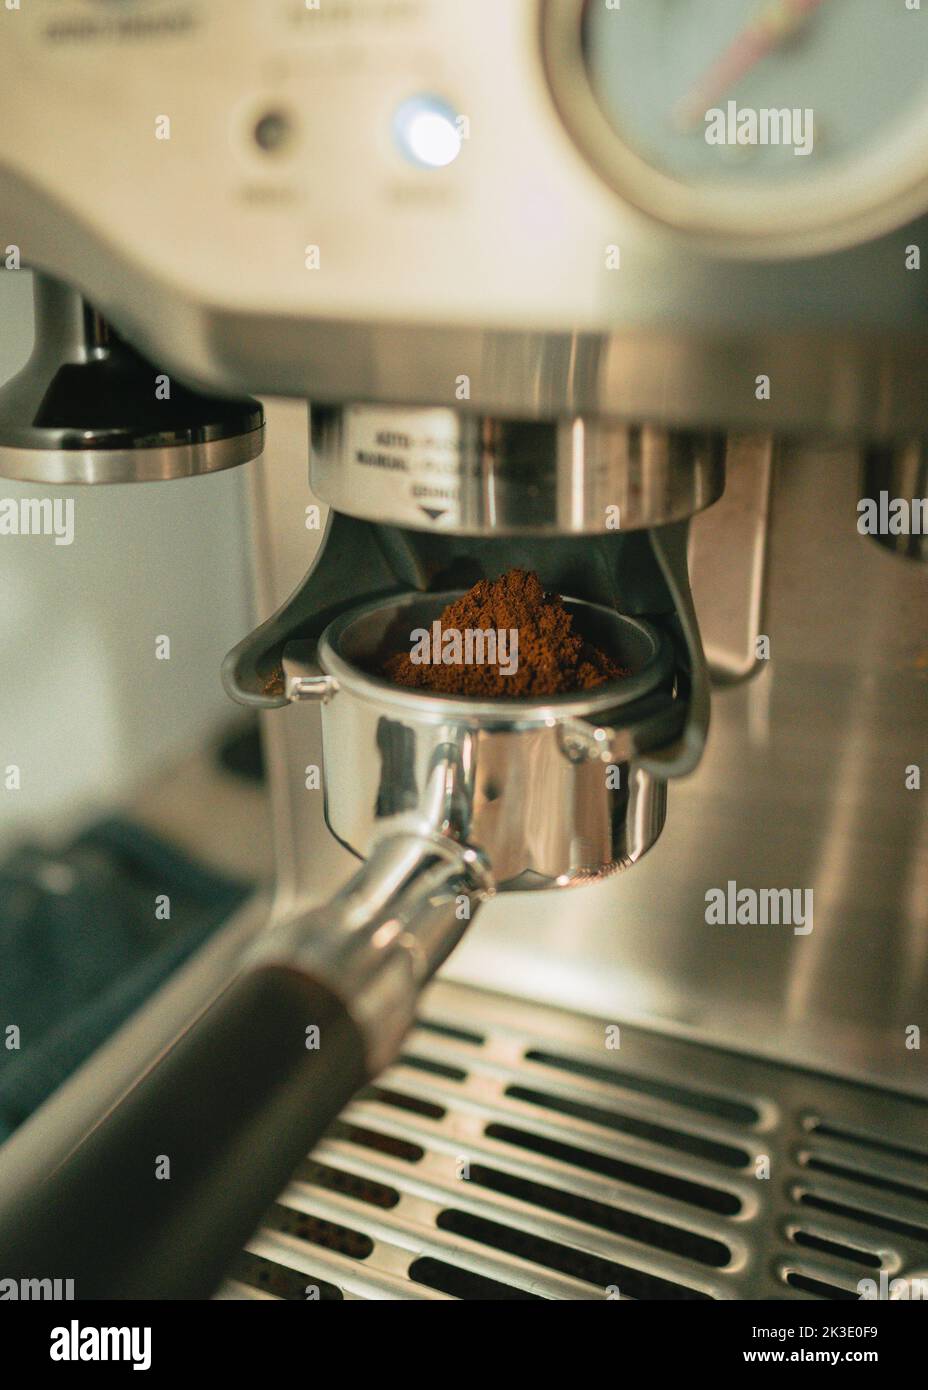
<point>546,790</point>
<point>450,799</point>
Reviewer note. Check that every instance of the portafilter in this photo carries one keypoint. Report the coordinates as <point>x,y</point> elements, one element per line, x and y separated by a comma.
<point>450,799</point>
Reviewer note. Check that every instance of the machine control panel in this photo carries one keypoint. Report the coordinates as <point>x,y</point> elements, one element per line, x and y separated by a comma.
<point>253,193</point>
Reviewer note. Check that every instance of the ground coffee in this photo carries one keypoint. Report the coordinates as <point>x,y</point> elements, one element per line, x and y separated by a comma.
<point>552,659</point>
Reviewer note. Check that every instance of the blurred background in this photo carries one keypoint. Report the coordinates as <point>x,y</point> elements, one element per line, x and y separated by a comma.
<point>141,782</point>
<point>86,711</point>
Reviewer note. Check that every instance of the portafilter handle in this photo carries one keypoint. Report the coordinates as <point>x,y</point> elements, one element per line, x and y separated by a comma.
<point>156,1201</point>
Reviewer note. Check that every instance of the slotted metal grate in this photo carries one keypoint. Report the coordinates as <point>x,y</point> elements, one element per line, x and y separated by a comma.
<point>512,1153</point>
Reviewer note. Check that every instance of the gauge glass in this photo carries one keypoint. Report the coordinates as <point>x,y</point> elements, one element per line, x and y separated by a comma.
<point>758,119</point>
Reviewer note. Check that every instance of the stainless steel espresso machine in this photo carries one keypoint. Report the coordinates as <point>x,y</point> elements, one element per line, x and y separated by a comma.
<point>631,295</point>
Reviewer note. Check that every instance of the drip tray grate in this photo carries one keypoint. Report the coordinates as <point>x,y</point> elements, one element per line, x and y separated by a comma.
<point>514,1152</point>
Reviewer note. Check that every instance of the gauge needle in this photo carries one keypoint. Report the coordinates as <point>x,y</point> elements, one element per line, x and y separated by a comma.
<point>777,21</point>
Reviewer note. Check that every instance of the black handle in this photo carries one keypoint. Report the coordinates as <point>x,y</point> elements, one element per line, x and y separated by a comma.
<point>157,1200</point>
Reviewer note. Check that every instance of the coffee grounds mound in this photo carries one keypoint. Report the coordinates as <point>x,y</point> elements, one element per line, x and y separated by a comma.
<point>552,658</point>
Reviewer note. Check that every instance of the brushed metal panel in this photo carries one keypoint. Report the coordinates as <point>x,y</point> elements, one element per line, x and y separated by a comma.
<point>802,786</point>
<point>513,1153</point>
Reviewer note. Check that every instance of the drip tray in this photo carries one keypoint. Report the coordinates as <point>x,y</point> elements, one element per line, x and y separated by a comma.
<point>515,1152</point>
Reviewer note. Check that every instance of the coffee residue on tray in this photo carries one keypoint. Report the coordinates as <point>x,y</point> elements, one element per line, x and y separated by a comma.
<point>551,658</point>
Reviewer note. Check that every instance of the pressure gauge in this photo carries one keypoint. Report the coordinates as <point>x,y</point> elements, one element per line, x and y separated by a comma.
<point>772,127</point>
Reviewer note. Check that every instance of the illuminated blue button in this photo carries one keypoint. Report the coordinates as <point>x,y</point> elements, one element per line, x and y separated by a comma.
<point>426,130</point>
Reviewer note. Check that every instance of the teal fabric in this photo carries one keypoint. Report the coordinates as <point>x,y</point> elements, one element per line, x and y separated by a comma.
<point>81,948</point>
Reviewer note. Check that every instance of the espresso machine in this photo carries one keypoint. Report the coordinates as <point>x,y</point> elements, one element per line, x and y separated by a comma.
<point>485,1038</point>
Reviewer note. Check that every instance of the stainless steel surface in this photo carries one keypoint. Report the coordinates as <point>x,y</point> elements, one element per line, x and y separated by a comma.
<point>78,466</point>
<point>384,934</point>
<point>302,681</point>
<point>523,1152</point>
<point>544,808</point>
<point>727,557</point>
<point>87,409</point>
<point>801,767</point>
<point>900,472</point>
<point>802,785</point>
<point>524,283</point>
<point>498,268</point>
<point>472,474</point>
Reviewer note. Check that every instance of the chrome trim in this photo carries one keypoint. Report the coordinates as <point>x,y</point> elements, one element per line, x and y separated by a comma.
<point>544,816</point>
<point>443,469</point>
<point>594,1167</point>
<point>79,466</point>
